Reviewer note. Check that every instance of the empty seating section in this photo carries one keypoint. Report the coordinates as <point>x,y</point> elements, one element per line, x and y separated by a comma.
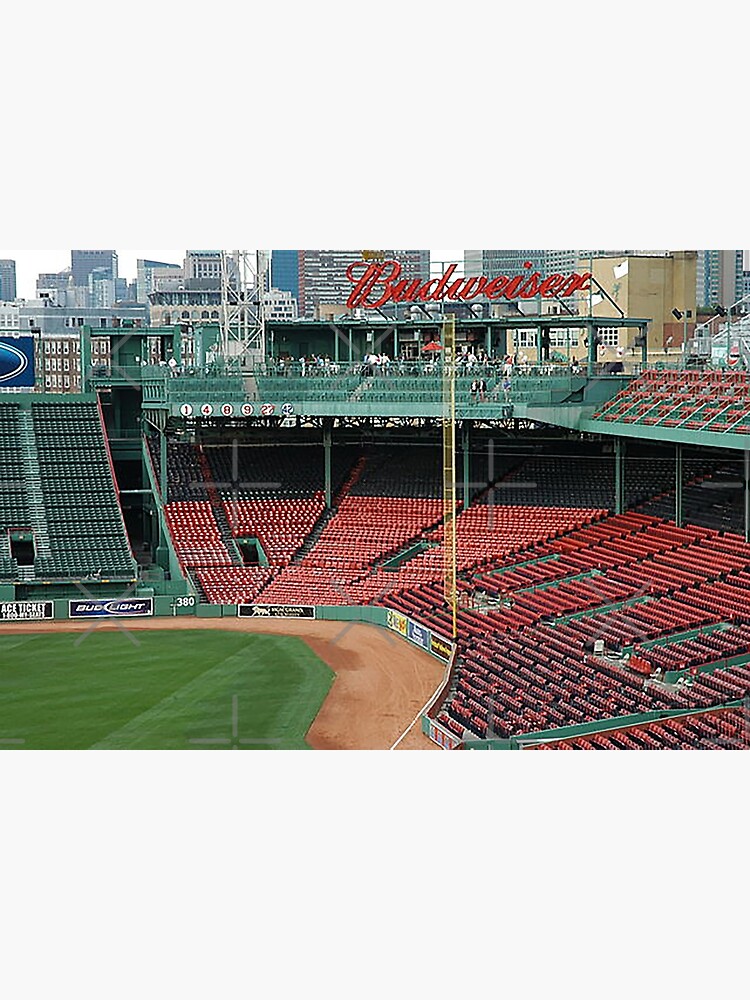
<point>366,529</point>
<point>281,526</point>
<point>542,678</point>
<point>526,661</point>
<point>233,585</point>
<point>83,517</point>
<point>271,494</point>
<point>195,534</point>
<point>583,481</point>
<point>275,471</point>
<point>693,652</point>
<point>697,400</point>
<point>184,472</point>
<point>363,531</point>
<point>390,472</point>
<point>723,730</point>
<point>13,509</point>
<point>715,500</point>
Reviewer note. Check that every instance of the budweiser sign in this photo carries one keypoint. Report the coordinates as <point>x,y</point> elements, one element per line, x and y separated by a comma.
<point>378,282</point>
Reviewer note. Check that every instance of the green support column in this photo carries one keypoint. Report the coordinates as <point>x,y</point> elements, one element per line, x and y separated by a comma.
<point>85,359</point>
<point>395,343</point>
<point>591,337</point>
<point>747,496</point>
<point>539,345</point>
<point>198,347</point>
<point>643,330</point>
<point>327,434</point>
<point>467,457</point>
<point>678,486</point>
<point>619,475</point>
<point>488,340</point>
<point>177,345</point>
<point>163,465</point>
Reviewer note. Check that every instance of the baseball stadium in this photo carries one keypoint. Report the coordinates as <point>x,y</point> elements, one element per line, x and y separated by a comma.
<point>400,527</point>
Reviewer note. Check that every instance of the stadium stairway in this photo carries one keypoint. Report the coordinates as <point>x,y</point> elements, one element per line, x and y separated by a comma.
<point>33,487</point>
<point>217,508</point>
<point>328,515</point>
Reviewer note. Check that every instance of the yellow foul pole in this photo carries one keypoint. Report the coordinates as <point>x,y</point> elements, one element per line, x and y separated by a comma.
<point>449,469</point>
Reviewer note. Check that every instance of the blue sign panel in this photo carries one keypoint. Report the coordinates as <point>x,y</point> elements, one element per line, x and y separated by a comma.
<point>418,634</point>
<point>16,362</point>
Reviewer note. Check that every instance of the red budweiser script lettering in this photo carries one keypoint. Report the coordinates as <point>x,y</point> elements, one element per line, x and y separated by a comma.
<point>378,282</point>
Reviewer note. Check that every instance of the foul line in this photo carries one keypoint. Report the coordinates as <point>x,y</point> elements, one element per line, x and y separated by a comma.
<point>416,717</point>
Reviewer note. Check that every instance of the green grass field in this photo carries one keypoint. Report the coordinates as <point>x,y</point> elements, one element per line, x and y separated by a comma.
<point>178,690</point>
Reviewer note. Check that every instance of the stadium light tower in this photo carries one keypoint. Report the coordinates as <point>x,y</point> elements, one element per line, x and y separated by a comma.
<point>243,318</point>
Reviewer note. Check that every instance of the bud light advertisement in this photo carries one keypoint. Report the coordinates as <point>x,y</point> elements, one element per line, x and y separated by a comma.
<point>16,362</point>
<point>119,607</point>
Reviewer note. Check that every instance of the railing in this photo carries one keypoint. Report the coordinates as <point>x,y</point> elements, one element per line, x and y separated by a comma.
<point>480,387</point>
<point>327,368</point>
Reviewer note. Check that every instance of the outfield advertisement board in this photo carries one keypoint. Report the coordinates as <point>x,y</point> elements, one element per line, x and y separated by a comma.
<point>441,736</point>
<point>275,611</point>
<point>397,622</point>
<point>118,607</point>
<point>419,635</point>
<point>440,647</point>
<point>26,611</point>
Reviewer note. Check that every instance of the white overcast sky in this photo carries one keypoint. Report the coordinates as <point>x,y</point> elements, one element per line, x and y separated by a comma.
<point>151,128</point>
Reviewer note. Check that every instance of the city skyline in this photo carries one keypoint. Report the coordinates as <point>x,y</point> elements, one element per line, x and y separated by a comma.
<point>31,263</point>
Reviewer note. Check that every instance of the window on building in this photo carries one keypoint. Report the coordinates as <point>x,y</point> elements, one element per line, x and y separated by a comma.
<point>610,336</point>
<point>524,338</point>
<point>558,337</point>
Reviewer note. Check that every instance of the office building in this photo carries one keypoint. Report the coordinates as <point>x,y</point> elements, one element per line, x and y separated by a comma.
<point>323,283</point>
<point>83,262</point>
<point>7,280</point>
<point>285,271</point>
<point>146,272</point>
<point>719,278</point>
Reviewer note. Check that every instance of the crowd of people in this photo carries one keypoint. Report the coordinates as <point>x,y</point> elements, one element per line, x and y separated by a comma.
<point>468,363</point>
